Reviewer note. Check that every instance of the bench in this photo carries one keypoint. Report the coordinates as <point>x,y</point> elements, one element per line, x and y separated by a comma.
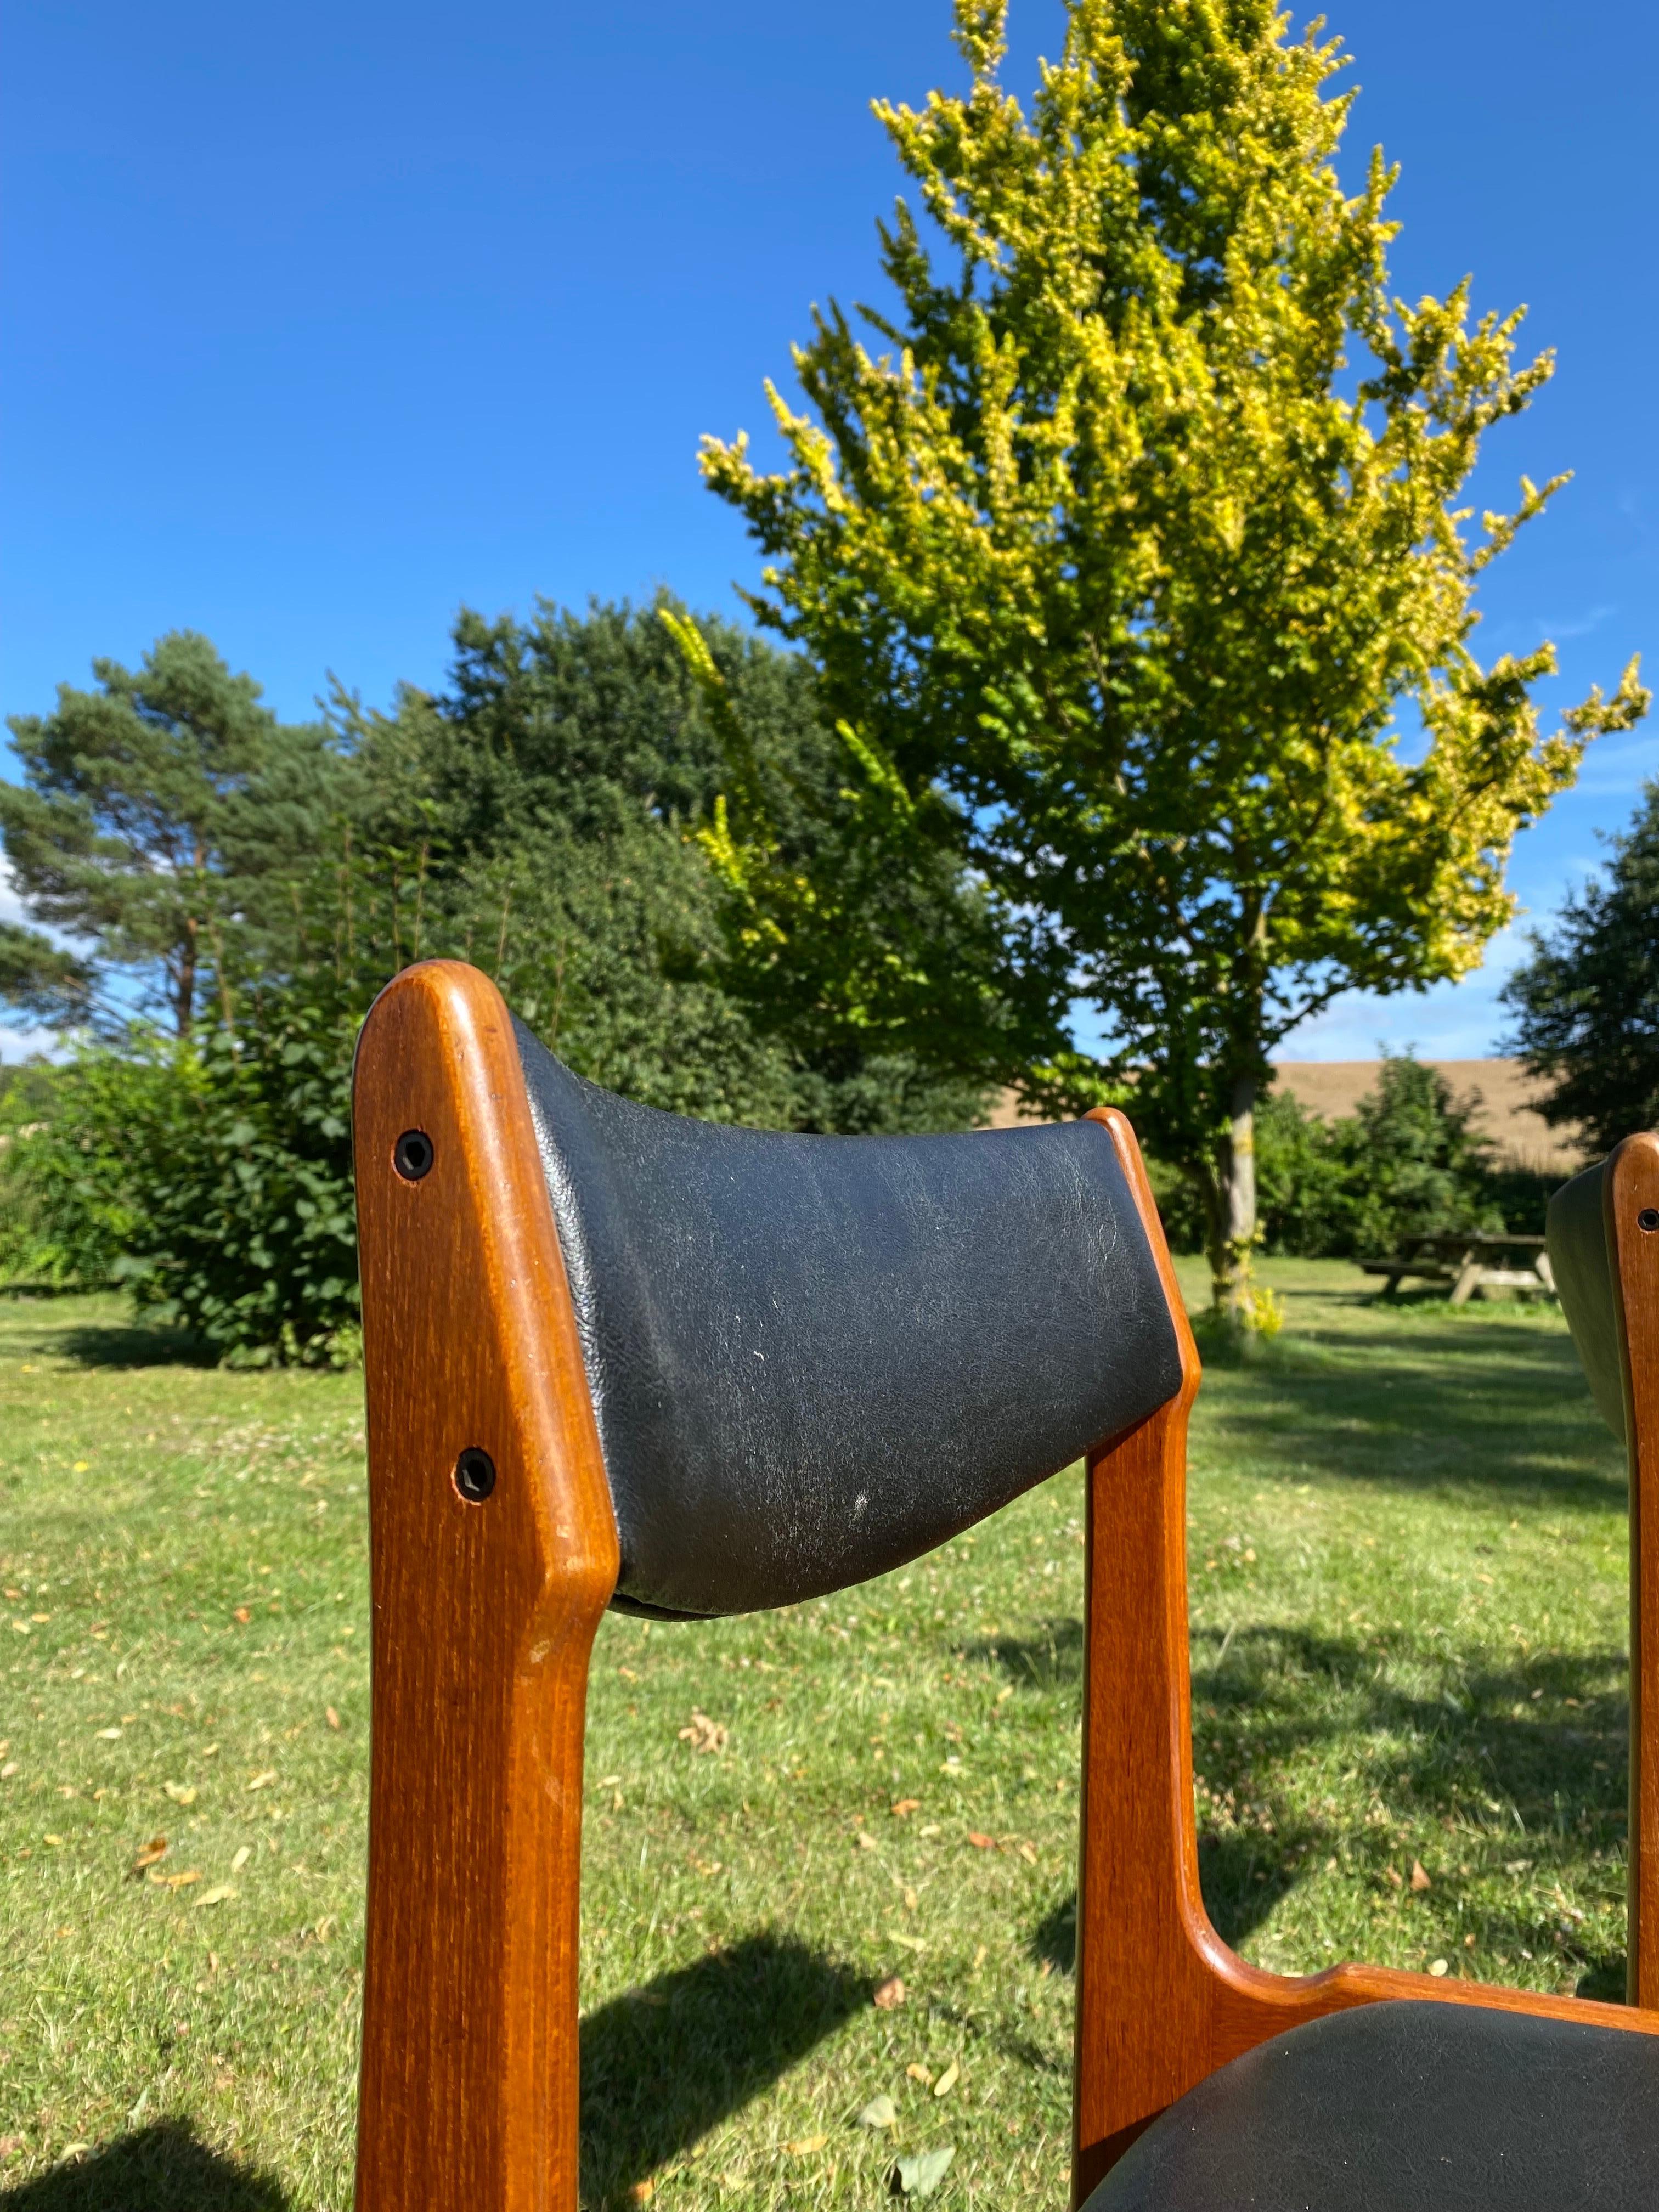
<point>1467,1263</point>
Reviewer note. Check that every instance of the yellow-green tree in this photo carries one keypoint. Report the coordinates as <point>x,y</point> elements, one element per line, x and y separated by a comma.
<point>1141,541</point>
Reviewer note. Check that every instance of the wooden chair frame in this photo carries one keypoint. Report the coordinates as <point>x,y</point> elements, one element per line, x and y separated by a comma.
<point>488,1589</point>
<point>1157,2013</point>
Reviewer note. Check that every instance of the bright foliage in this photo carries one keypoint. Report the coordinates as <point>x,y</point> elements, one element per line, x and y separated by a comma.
<point>1142,544</point>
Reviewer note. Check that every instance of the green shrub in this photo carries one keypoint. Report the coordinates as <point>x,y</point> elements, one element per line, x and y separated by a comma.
<point>213,1176</point>
<point>63,1220</point>
<point>1407,1163</point>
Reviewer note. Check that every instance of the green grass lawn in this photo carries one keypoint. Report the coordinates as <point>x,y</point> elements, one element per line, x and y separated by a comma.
<point>1408,1577</point>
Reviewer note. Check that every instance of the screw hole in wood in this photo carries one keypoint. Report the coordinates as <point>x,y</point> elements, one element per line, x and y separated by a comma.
<point>412,1155</point>
<point>475,1475</point>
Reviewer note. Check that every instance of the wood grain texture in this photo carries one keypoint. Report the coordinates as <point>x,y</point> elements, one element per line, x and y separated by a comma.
<point>484,1619</point>
<point>1161,2000</point>
<point>1629,1189</point>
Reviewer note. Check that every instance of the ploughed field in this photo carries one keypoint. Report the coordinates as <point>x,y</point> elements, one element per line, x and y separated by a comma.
<point>1408,1580</point>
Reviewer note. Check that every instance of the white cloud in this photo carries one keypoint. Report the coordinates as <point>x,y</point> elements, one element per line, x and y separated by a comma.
<point>17,1045</point>
<point>1448,1021</point>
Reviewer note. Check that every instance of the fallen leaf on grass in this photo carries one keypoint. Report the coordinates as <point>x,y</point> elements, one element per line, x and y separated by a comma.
<point>181,1793</point>
<point>156,1848</point>
<point>643,2191</point>
<point>903,1807</point>
<point>1420,1876</point>
<point>1028,1854</point>
<point>806,2146</point>
<point>948,2080</point>
<point>216,1895</point>
<point>243,1856</point>
<point>704,1735</point>
<point>863,1841</point>
<point>910,1942</point>
<point>8,1769</point>
<point>918,2072</point>
<point>889,1995</point>
<point>331,1717</point>
<point>921,2175</point>
<point>109,1734</point>
<point>175,1880</point>
<point>242,1614</point>
<point>880,2112</point>
<point>264,1781</point>
<point>1391,1876</point>
<point>981,1843</point>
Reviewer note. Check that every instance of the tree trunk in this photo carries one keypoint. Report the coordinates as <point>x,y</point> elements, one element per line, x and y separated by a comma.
<point>184,999</point>
<point>1231,1208</point>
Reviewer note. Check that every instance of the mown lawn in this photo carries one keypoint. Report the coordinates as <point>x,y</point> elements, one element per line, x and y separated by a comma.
<point>1408,1579</point>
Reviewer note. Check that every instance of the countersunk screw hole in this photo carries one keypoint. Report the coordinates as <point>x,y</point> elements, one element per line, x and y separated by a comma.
<point>412,1155</point>
<point>475,1475</point>
<point>1648,1219</point>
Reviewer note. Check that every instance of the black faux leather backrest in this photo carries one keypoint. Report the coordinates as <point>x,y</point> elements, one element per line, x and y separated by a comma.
<point>815,1357</point>
<point>1576,1230</point>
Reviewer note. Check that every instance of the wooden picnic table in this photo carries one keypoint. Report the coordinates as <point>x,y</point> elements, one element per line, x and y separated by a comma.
<point>1468,1264</point>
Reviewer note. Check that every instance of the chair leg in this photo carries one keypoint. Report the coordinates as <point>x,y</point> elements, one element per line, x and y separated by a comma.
<point>494,1552</point>
<point>1161,2000</point>
<point>1630,1198</point>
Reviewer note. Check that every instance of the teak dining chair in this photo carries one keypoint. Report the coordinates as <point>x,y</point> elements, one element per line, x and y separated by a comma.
<point>616,1358</point>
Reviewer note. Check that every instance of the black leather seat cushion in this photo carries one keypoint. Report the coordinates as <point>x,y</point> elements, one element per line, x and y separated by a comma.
<point>814,1357</point>
<point>1410,2107</point>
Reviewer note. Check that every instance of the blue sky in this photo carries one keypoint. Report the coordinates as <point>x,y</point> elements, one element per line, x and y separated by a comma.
<point>318,321</point>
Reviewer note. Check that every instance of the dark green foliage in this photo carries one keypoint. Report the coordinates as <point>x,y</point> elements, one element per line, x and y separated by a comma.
<point>211,1175</point>
<point>158,819</point>
<point>569,763</point>
<point>534,820</point>
<point>1407,1163</point>
<point>1586,1004</point>
<point>1415,1166</point>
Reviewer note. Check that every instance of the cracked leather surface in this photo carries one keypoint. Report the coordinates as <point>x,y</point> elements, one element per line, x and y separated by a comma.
<point>1410,2107</point>
<point>813,1358</point>
<point>1576,1235</point>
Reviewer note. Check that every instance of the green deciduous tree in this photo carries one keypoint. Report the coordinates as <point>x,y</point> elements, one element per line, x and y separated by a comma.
<point>1142,544</point>
<point>1586,1004</point>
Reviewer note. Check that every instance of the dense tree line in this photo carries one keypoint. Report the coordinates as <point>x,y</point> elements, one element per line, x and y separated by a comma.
<point>234,891</point>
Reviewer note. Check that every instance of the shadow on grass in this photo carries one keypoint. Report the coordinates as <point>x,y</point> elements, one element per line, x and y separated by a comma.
<point>158,2169</point>
<point>664,2064</point>
<point>1542,1743</point>
<point>1498,1409</point>
<point>1603,1977</point>
<point>1242,1878</point>
<point>1052,1659</point>
<point>135,1344</point>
